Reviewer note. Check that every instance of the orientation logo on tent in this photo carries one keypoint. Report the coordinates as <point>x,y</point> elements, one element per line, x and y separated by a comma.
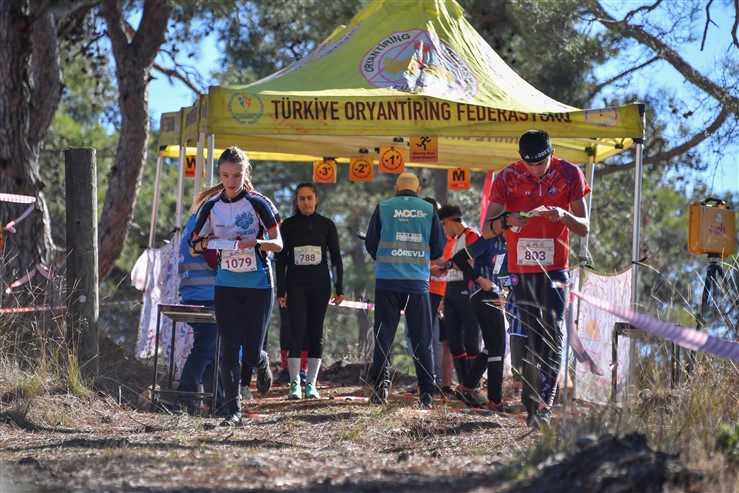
<point>414,61</point>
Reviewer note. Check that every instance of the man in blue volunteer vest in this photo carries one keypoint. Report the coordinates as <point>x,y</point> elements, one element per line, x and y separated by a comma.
<point>403,236</point>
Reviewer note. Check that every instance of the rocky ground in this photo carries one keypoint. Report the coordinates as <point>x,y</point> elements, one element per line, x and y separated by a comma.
<point>340,442</point>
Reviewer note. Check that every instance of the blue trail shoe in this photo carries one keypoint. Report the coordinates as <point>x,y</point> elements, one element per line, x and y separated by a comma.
<point>295,392</point>
<point>311,392</point>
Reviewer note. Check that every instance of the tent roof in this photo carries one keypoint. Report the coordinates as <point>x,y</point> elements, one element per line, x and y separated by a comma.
<point>402,69</point>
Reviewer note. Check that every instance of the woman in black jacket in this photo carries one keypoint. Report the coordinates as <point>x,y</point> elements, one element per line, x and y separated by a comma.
<point>304,283</point>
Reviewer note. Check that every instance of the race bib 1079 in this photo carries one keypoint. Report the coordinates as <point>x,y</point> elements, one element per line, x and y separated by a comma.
<point>239,261</point>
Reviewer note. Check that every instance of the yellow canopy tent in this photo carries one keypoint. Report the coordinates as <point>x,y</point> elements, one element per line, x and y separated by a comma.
<point>401,69</point>
<point>410,68</point>
<point>404,68</point>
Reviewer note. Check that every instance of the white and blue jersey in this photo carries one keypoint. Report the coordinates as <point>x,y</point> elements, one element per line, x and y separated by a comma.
<point>247,217</point>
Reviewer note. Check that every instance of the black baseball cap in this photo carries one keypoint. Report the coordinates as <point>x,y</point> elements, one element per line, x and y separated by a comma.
<point>534,145</point>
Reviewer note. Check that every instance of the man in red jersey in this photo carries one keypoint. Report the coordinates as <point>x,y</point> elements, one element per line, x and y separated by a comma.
<point>536,202</point>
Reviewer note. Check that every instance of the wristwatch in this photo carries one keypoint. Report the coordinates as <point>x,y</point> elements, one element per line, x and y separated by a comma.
<point>504,222</point>
<point>258,245</point>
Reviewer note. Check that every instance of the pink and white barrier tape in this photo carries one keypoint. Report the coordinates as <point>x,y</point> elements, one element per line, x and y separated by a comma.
<point>358,304</point>
<point>18,199</point>
<point>29,309</point>
<point>682,336</point>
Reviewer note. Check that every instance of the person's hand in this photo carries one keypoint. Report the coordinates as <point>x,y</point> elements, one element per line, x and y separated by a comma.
<point>514,219</point>
<point>336,300</point>
<point>485,284</point>
<point>554,214</point>
<point>282,300</point>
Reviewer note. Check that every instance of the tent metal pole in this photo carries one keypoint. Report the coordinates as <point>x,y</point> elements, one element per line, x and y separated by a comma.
<point>155,204</point>
<point>572,319</point>
<point>631,384</point>
<point>153,223</point>
<point>584,242</point>
<point>199,158</point>
<point>211,160</point>
<point>180,188</point>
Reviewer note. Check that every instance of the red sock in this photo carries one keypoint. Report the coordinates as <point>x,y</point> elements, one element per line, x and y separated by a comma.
<point>283,358</point>
<point>303,360</point>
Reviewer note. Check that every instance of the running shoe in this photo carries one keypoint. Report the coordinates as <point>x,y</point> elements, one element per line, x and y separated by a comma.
<point>470,397</point>
<point>426,401</point>
<point>501,407</point>
<point>295,392</point>
<point>264,378</point>
<point>232,420</point>
<point>311,392</point>
<point>246,394</point>
<point>542,419</point>
<point>379,394</point>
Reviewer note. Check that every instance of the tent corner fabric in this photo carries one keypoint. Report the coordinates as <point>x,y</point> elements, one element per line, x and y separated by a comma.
<point>401,69</point>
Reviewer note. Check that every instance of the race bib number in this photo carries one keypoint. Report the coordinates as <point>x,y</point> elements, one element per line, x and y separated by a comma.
<point>239,260</point>
<point>307,255</point>
<point>535,251</point>
<point>453,275</point>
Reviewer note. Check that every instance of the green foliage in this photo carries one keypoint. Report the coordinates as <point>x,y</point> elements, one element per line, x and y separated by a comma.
<point>545,43</point>
<point>727,441</point>
<point>262,37</point>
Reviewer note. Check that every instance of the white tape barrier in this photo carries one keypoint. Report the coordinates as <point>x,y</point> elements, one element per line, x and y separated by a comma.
<point>688,338</point>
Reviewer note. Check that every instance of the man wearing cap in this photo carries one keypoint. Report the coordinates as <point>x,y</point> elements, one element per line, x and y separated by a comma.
<point>553,191</point>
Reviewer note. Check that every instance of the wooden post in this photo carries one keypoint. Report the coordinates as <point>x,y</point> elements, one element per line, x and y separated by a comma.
<point>82,258</point>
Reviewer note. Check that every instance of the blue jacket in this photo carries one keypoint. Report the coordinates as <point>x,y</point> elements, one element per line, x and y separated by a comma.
<point>197,279</point>
<point>404,234</point>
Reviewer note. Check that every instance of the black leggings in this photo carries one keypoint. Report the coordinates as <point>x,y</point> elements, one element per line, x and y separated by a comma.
<point>540,298</point>
<point>307,305</point>
<point>462,329</point>
<point>492,326</point>
<point>243,316</point>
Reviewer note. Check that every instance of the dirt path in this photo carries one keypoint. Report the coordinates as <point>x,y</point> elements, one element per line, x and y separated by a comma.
<point>338,443</point>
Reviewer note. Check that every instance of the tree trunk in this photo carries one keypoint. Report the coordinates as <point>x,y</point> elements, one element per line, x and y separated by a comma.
<point>30,89</point>
<point>134,60</point>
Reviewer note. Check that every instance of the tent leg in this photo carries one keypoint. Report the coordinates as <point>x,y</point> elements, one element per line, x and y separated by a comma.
<point>630,389</point>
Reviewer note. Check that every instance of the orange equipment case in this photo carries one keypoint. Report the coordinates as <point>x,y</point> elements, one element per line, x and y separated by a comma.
<point>712,228</point>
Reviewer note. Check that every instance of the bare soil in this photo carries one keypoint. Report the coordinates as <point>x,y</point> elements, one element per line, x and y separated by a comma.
<point>340,442</point>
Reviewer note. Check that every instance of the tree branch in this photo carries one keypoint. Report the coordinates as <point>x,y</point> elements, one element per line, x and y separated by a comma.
<point>174,73</point>
<point>720,93</point>
<point>675,151</point>
<point>643,8</point>
<point>708,23</point>
<point>600,86</point>
<point>736,23</point>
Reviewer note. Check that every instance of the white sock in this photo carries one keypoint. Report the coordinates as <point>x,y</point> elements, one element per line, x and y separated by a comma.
<point>314,364</point>
<point>293,365</point>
